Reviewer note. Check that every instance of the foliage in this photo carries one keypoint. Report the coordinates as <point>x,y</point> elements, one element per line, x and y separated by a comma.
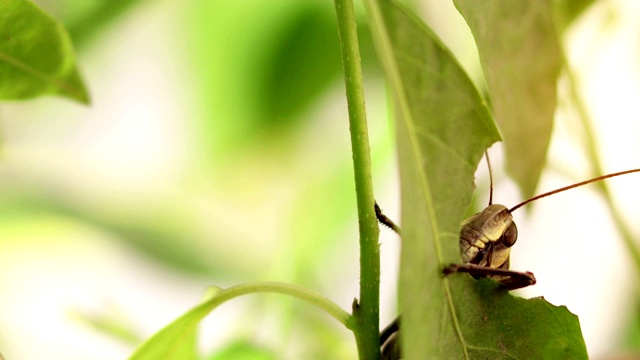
<point>36,55</point>
<point>443,124</point>
<point>521,63</point>
<point>443,128</point>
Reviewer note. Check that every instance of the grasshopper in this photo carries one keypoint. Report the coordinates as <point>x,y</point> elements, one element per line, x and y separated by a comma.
<point>485,243</point>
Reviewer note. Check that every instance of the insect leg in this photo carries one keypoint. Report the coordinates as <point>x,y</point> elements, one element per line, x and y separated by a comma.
<point>389,330</point>
<point>389,346</point>
<point>510,279</point>
<point>384,220</point>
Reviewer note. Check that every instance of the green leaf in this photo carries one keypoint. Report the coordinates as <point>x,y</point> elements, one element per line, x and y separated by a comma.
<point>86,19</point>
<point>244,349</point>
<point>496,325</point>
<point>630,343</point>
<point>36,55</point>
<point>443,127</point>
<point>178,339</point>
<point>304,62</point>
<point>521,59</point>
<point>567,11</point>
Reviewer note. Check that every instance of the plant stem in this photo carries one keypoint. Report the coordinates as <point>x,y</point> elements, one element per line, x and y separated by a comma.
<point>366,312</point>
<point>597,170</point>
<point>296,291</point>
<point>177,334</point>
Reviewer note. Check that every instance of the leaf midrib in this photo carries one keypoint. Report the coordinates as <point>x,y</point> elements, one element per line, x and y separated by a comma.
<point>21,65</point>
<point>426,188</point>
<point>389,62</point>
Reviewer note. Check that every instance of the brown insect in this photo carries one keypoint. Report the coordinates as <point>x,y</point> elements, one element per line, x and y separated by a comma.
<point>485,242</point>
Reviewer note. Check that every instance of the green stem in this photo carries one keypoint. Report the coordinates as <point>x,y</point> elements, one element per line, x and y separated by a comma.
<point>178,334</point>
<point>296,291</point>
<point>592,153</point>
<point>366,312</point>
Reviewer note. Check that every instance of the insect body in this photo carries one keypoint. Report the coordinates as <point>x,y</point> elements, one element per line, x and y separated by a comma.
<point>486,239</point>
<point>485,242</point>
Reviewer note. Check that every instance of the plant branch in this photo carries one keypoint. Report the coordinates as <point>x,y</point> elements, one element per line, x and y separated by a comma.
<point>177,336</point>
<point>366,312</point>
<point>310,296</point>
<point>597,169</point>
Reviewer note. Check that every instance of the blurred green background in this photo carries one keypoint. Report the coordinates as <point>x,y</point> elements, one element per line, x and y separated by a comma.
<point>216,152</point>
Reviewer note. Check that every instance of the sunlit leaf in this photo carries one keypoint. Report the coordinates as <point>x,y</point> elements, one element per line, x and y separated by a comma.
<point>520,55</point>
<point>495,325</point>
<point>631,337</point>
<point>36,55</point>
<point>88,18</point>
<point>285,57</point>
<point>443,127</point>
<point>304,61</point>
<point>244,349</point>
<point>569,10</point>
<point>166,234</point>
<point>177,341</point>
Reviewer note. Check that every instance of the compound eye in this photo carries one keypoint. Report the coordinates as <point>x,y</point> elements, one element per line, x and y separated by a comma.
<point>510,235</point>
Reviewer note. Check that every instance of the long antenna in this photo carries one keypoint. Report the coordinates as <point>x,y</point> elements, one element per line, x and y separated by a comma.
<point>572,186</point>
<point>486,155</point>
